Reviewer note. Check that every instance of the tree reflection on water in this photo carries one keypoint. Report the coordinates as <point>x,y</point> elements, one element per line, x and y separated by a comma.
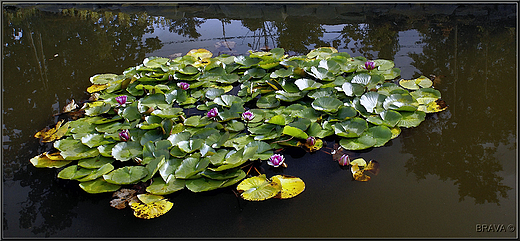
<point>459,144</point>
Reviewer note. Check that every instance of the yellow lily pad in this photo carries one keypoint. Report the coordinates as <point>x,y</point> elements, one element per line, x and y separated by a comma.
<point>155,206</point>
<point>48,135</point>
<point>415,84</point>
<point>96,88</point>
<point>436,105</point>
<point>200,53</point>
<point>291,186</point>
<point>359,166</point>
<point>49,160</point>
<point>258,188</point>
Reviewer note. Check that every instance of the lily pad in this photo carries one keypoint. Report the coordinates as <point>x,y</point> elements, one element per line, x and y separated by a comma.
<point>307,84</point>
<point>415,84</point>
<point>291,186</point>
<point>125,151</point>
<point>360,143</point>
<point>151,210</point>
<point>411,119</point>
<point>258,188</point>
<point>49,160</point>
<point>327,104</point>
<point>160,187</point>
<point>126,175</point>
<point>350,128</point>
<point>98,186</point>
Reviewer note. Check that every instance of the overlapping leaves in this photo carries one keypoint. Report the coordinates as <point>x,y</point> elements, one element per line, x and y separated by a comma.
<point>161,131</point>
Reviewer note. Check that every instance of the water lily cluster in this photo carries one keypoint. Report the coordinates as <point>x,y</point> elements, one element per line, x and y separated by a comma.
<point>177,124</point>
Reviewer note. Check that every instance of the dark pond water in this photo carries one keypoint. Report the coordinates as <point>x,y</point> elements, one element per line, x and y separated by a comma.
<point>448,177</point>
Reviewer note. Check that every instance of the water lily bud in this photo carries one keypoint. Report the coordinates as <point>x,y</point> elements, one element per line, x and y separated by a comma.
<point>212,113</point>
<point>124,135</point>
<point>344,160</point>
<point>311,141</point>
<point>276,160</point>
<point>370,65</point>
<point>183,85</point>
<point>121,99</point>
<point>248,116</point>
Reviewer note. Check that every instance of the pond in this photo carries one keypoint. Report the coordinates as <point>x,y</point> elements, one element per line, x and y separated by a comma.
<point>455,175</point>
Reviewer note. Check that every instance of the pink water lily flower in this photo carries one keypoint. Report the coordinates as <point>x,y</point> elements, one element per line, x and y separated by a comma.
<point>276,160</point>
<point>344,160</point>
<point>183,85</point>
<point>124,135</point>
<point>248,116</point>
<point>311,141</point>
<point>212,113</point>
<point>370,65</point>
<point>121,100</point>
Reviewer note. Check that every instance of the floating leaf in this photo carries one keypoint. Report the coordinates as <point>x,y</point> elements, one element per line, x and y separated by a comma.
<point>307,84</point>
<point>100,79</point>
<point>258,188</point>
<point>350,128</point>
<point>152,209</point>
<point>415,84</point>
<point>48,135</point>
<point>371,100</point>
<point>327,104</point>
<point>160,187</point>
<point>126,175</point>
<point>125,151</point>
<point>296,132</point>
<point>434,105</point>
<point>291,186</point>
<point>411,119</point>
<point>360,143</point>
<point>200,53</point>
<point>98,186</point>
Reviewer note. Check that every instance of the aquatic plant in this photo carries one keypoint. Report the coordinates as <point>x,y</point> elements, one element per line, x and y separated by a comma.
<point>145,126</point>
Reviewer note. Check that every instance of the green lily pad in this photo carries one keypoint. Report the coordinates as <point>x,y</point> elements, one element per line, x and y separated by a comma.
<point>206,184</point>
<point>98,186</point>
<point>227,100</point>
<point>95,162</point>
<point>97,108</point>
<point>290,96</point>
<point>411,119</point>
<point>197,121</point>
<point>73,172</point>
<point>191,166</point>
<point>268,102</point>
<point>360,143</point>
<point>100,79</point>
<point>353,89</point>
<point>160,187</point>
<point>296,132</point>
<point>400,102</point>
<point>327,104</point>
<point>125,151</point>
<point>350,128</point>
<point>126,175</point>
<point>371,100</point>
<point>415,84</point>
<point>94,140</point>
<point>381,134</point>
<point>307,84</point>
<point>97,173</point>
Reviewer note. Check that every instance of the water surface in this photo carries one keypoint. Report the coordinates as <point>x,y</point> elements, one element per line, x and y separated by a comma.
<point>444,178</point>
